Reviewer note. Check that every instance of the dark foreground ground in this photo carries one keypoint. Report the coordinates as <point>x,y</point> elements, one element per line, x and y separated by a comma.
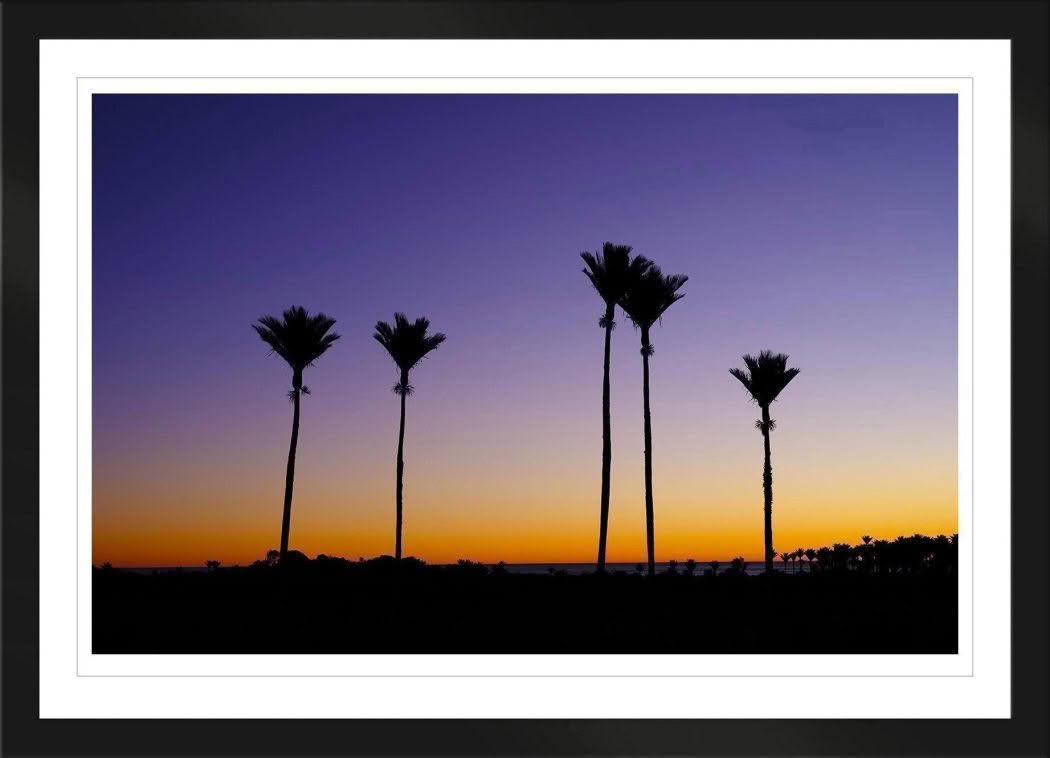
<point>376,608</point>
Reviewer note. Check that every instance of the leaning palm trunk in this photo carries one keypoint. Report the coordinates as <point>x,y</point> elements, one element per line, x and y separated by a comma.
<point>299,339</point>
<point>400,466</point>
<point>289,477</point>
<point>767,490</point>
<point>649,527</point>
<point>603,527</point>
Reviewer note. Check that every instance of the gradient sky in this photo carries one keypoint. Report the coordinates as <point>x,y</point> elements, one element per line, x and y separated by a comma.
<point>820,226</point>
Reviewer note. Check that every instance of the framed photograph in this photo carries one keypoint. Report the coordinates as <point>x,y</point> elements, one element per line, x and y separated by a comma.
<point>526,378</point>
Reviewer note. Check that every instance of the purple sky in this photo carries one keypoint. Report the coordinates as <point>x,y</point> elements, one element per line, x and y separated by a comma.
<point>820,226</point>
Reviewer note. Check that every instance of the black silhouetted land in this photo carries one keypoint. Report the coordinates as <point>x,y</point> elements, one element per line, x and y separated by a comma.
<point>879,597</point>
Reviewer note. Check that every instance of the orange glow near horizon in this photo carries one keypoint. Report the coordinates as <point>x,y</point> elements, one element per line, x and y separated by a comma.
<point>705,510</point>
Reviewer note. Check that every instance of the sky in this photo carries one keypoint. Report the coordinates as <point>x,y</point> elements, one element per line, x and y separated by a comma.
<point>821,226</point>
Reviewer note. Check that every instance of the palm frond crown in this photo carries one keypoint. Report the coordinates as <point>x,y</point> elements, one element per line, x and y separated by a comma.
<point>406,341</point>
<point>612,270</point>
<point>298,337</point>
<point>766,376</point>
<point>651,294</point>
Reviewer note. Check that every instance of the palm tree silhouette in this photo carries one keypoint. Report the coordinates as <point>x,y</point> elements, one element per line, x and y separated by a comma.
<point>610,271</point>
<point>785,557</point>
<point>408,344</point>
<point>300,339</point>
<point>765,378</point>
<point>644,302</point>
<point>811,555</point>
<point>824,558</point>
<point>867,553</point>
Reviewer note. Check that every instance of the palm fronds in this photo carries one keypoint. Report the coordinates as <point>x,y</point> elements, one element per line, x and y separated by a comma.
<point>651,294</point>
<point>407,342</point>
<point>297,337</point>
<point>766,376</point>
<point>612,270</point>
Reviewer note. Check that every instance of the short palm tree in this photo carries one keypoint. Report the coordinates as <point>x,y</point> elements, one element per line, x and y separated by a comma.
<point>644,302</point>
<point>811,555</point>
<point>407,343</point>
<point>610,271</point>
<point>765,378</point>
<point>300,339</point>
<point>824,558</point>
<point>799,555</point>
<point>785,557</point>
<point>867,553</point>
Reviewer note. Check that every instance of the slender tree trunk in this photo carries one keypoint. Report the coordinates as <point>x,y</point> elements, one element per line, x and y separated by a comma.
<point>400,464</point>
<point>603,525</point>
<point>289,477</point>
<point>767,490</point>
<point>649,539</point>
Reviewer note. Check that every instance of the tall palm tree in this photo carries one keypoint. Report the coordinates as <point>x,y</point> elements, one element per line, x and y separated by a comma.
<point>644,302</point>
<point>300,339</point>
<point>765,378</point>
<point>609,271</point>
<point>407,343</point>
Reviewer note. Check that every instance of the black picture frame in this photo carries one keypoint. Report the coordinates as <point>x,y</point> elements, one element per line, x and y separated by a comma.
<point>25,23</point>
